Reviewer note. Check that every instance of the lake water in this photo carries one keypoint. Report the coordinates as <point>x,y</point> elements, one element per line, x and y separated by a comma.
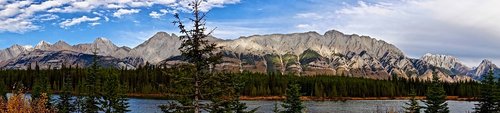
<point>350,106</point>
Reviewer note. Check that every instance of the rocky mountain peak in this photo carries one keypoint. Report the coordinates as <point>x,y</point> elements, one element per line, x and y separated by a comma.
<point>486,64</point>
<point>61,45</point>
<point>15,46</point>
<point>28,47</point>
<point>102,40</point>
<point>12,52</point>
<point>43,45</point>
<point>483,68</point>
<point>149,50</point>
<point>106,47</point>
<point>446,62</point>
<point>440,60</point>
<point>61,42</point>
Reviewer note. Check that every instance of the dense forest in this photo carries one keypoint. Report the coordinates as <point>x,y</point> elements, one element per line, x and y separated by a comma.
<point>154,80</point>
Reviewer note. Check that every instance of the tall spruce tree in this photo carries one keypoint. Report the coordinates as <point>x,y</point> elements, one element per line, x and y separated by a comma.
<point>41,86</point>
<point>91,99</point>
<point>293,104</point>
<point>229,101</point>
<point>113,98</point>
<point>436,97</point>
<point>65,102</point>
<point>197,81</point>
<point>81,90</point>
<point>412,104</point>
<point>487,97</point>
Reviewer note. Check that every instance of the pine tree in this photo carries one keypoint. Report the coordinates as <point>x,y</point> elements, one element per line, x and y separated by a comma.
<point>436,97</point>
<point>91,99</point>
<point>487,97</point>
<point>412,104</point>
<point>41,86</point>
<point>197,81</point>
<point>80,98</point>
<point>229,101</point>
<point>65,102</point>
<point>113,98</point>
<point>293,104</point>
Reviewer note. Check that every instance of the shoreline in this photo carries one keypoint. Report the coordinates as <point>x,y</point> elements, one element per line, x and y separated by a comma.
<point>305,98</point>
<point>310,98</point>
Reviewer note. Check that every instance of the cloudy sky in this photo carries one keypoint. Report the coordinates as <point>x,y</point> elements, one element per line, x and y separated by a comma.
<point>467,29</point>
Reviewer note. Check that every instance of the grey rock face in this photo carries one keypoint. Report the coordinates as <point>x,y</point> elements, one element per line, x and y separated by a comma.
<point>484,67</point>
<point>329,44</point>
<point>446,62</point>
<point>12,52</point>
<point>159,47</point>
<point>55,59</point>
<point>43,45</point>
<point>60,46</point>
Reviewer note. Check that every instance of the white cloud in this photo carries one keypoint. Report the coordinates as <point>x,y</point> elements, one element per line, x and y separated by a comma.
<point>121,12</point>
<point>94,23</point>
<point>46,17</point>
<point>303,26</point>
<point>314,16</point>
<point>76,21</point>
<point>155,14</point>
<point>206,4</point>
<point>18,16</point>
<point>162,12</point>
<point>17,25</point>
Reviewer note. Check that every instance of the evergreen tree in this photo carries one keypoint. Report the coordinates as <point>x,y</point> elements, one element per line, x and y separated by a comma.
<point>80,98</point>
<point>229,101</point>
<point>91,99</point>
<point>293,104</point>
<point>65,103</point>
<point>412,104</point>
<point>487,97</point>
<point>41,86</point>
<point>113,98</point>
<point>198,81</point>
<point>436,97</point>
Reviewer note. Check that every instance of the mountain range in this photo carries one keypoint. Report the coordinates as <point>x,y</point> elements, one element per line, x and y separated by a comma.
<point>303,54</point>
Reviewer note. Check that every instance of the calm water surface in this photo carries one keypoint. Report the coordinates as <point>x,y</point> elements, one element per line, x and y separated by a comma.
<point>352,106</point>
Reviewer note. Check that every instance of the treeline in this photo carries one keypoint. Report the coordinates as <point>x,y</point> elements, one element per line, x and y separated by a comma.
<point>153,80</point>
<point>338,86</point>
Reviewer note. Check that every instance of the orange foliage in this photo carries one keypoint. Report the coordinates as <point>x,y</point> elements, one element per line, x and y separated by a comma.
<point>18,103</point>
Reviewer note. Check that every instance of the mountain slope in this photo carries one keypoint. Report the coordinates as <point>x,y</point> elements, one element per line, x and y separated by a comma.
<point>446,62</point>
<point>12,52</point>
<point>159,47</point>
<point>55,59</point>
<point>483,68</point>
<point>304,54</point>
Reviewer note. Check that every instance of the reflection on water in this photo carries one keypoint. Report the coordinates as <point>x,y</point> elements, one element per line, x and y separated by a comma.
<point>352,106</point>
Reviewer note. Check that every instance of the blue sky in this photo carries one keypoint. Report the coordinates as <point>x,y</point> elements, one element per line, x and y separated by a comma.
<point>466,29</point>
